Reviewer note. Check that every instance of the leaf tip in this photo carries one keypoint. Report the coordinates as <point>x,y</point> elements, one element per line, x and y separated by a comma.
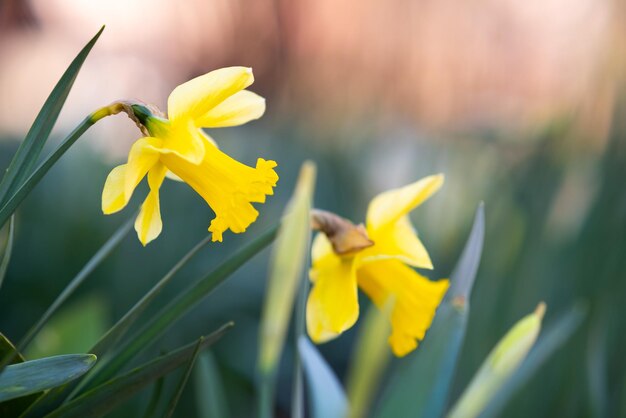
<point>540,310</point>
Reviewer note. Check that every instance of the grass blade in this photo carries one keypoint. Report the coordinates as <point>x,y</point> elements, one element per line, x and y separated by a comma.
<point>27,154</point>
<point>327,397</point>
<point>422,384</point>
<point>154,399</point>
<point>91,265</point>
<point>551,340</point>
<point>104,398</point>
<point>210,397</point>
<point>121,327</point>
<point>55,397</point>
<point>286,271</point>
<point>186,300</point>
<point>8,248</point>
<point>183,380</point>
<point>34,376</point>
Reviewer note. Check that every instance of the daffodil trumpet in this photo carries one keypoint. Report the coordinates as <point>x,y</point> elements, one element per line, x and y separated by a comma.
<point>176,147</point>
<point>378,258</point>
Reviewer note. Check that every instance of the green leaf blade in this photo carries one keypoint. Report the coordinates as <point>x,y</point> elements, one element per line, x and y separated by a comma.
<point>104,398</point>
<point>34,376</point>
<point>8,248</point>
<point>422,384</point>
<point>13,407</point>
<point>180,305</point>
<point>210,397</point>
<point>327,397</point>
<point>27,154</point>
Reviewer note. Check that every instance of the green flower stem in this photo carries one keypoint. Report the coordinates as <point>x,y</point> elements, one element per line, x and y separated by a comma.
<point>24,189</point>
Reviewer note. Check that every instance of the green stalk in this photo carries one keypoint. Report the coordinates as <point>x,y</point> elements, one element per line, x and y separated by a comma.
<point>25,188</point>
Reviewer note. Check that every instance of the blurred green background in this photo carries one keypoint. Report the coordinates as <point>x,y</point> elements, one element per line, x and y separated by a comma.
<point>520,106</point>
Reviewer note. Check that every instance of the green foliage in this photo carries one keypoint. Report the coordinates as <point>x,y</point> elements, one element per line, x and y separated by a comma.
<point>327,397</point>
<point>13,407</point>
<point>286,273</point>
<point>25,158</point>
<point>103,399</point>
<point>551,340</point>
<point>6,250</point>
<point>209,388</point>
<point>28,377</point>
<point>422,384</point>
<point>20,177</point>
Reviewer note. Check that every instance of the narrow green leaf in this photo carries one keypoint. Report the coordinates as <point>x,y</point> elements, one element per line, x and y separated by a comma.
<point>183,381</point>
<point>287,267</point>
<point>104,398</point>
<point>13,407</point>
<point>327,397</point>
<point>370,358</point>
<point>23,189</point>
<point>154,399</point>
<point>123,325</point>
<point>549,342</point>
<point>210,397</point>
<point>36,375</point>
<point>6,347</point>
<point>27,154</point>
<point>55,397</point>
<point>91,265</point>
<point>6,256</point>
<point>501,363</point>
<point>182,304</point>
<point>421,385</point>
<point>598,363</point>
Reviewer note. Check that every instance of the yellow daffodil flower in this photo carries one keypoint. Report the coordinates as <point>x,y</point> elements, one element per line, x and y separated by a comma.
<point>382,270</point>
<point>176,147</point>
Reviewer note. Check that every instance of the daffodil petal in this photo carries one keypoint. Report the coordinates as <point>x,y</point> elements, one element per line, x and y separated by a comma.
<point>416,300</point>
<point>240,108</point>
<point>148,223</point>
<point>172,176</point>
<point>143,155</point>
<point>399,241</point>
<point>197,97</point>
<point>389,206</point>
<point>113,196</point>
<point>228,186</point>
<point>187,142</point>
<point>322,254</point>
<point>332,306</point>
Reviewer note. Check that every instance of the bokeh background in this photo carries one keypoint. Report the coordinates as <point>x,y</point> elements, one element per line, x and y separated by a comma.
<point>521,104</point>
